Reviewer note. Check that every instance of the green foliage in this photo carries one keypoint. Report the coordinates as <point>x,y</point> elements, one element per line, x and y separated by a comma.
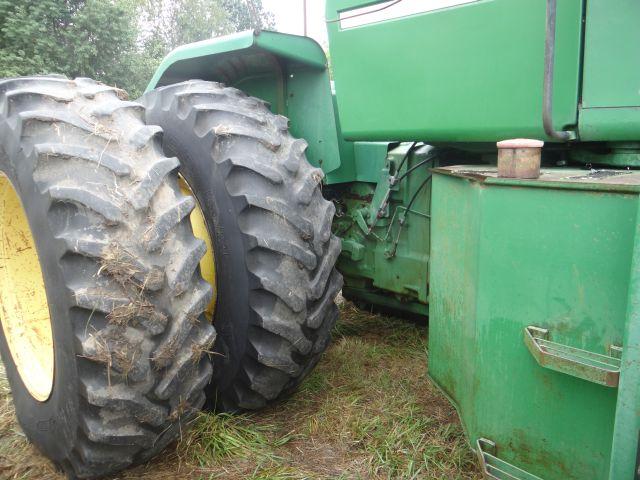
<point>248,14</point>
<point>166,24</point>
<point>75,37</point>
<point>119,42</point>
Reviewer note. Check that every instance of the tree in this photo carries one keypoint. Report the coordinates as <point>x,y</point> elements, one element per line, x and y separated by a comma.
<point>170,23</point>
<point>248,14</point>
<point>166,24</point>
<point>119,42</point>
<point>89,38</point>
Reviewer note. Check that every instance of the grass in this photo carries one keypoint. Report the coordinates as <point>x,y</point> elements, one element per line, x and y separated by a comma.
<point>368,411</point>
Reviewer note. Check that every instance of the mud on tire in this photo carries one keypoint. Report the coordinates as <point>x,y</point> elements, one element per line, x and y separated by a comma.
<point>271,233</point>
<point>111,229</point>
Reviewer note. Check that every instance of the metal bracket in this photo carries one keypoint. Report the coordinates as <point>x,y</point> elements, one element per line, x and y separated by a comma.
<point>360,221</point>
<point>496,469</point>
<point>353,249</point>
<point>594,367</point>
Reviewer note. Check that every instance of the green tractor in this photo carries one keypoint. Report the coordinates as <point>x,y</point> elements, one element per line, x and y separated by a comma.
<point>186,249</point>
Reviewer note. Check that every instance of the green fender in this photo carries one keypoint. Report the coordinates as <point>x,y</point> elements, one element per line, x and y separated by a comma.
<point>289,71</point>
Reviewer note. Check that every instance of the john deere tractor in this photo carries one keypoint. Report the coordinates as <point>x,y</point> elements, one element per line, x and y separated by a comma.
<point>186,249</point>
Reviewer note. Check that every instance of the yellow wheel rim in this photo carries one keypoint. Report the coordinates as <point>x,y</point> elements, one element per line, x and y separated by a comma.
<point>24,311</point>
<point>207,264</point>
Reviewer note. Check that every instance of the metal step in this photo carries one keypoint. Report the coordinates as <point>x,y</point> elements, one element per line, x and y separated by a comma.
<point>594,367</point>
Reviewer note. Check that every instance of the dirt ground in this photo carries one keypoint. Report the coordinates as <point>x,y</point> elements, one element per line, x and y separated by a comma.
<point>367,412</point>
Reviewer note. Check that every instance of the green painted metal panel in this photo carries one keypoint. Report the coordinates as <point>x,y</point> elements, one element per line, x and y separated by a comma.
<point>310,111</point>
<point>626,434</point>
<point>506,254</point>
<point>369,160</point>
<point>610,124</point>
<point>611,59</point>
<point>610,107</point>
<point>468,73</point>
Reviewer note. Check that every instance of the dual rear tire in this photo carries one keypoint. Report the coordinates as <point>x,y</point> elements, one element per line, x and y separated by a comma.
<point>129,343</point>
<point>271,232</point>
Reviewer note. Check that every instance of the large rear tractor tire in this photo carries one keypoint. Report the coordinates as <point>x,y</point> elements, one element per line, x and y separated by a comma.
<point>270,228</point>
<point>105,350</point>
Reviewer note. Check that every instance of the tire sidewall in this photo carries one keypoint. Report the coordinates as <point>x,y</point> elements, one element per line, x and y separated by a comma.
<point>50,424</point>
<point>232,311</point>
